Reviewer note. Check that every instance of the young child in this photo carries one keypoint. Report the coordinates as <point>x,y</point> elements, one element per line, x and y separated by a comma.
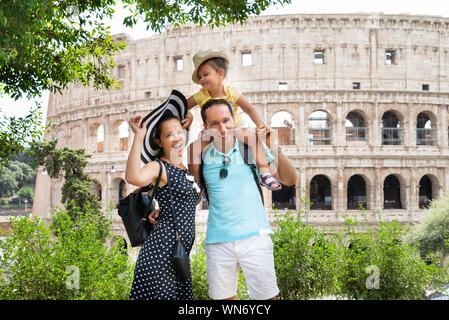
<point>210,71</point>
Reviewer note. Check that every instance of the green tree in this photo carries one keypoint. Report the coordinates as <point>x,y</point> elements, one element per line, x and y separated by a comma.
<point>157,14</point>
<point>48,44</point>
<point>431,235</point>
<point>7,183</point>
<point>16,134</point>
<point>69,164</point>
<point>26,193</point>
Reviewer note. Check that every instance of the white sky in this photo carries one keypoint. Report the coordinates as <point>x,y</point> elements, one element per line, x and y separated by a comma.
<point>10,107</point>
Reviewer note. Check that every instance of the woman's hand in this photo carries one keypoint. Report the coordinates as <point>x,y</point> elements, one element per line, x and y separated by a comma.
<point>136,127</point>
<point>153,217</point>
<point>187,121</point>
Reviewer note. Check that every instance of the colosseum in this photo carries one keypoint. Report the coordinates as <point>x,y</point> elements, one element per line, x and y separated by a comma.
<point>359,101</point>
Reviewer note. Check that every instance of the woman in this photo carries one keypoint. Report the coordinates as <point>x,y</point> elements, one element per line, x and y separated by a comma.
<point>154,275</point>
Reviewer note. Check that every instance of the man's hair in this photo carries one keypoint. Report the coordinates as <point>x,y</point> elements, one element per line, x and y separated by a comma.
<point>213,102</point>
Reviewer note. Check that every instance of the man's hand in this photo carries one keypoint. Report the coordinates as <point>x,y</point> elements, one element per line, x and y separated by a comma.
<point>262,131</point>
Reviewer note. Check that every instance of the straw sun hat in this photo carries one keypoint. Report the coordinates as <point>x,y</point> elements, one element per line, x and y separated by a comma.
<point>176,104</point>
<point>201,57</point>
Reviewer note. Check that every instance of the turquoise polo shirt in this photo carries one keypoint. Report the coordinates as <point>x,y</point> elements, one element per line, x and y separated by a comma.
<point>236,210</point>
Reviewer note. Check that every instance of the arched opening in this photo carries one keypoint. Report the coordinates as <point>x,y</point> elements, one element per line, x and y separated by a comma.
<point>355,127</point>
<point>284,198</point>
<point>123,134</point>
<point>425,192</point>
<point>425,133</point>
<point>320,193</point>
<point>319,127</point>
<point>97,190</point>
<point>391,129</point>
<point>283,124</point>
<point>356,193</point>
<point>392,193</point>
<point>122,190</point>
<point>100,138</point>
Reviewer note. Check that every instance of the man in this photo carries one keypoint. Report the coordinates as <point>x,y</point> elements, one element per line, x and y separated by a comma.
<point>237,228</point>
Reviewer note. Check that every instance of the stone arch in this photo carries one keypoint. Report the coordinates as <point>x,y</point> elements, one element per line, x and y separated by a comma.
<point>97,189</point>
<point>77,138</point>
<point>120,135</point>
<point>356,126</point>
<point>284,198</point>
<point>394,192</point>
<point>283,124</point>
<point>357,192</point>
<point>96,137</point>
<point>320,193</point>
<point>118,190</point>
<point>426,128</point>
<point>61,136</point>
<point>391,127</point>
<point>319,126</point>
<point>428,189</point>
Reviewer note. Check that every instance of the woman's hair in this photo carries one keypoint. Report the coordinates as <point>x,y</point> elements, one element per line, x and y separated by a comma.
<point>217,64</point>
<point>158,128</point>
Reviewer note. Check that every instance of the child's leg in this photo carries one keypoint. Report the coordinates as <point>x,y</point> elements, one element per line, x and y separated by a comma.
<point>260,155</point>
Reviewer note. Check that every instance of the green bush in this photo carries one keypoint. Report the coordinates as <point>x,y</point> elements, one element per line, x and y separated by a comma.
<point>379,265</point>
<point>307,261</point>
<point>67,259</point>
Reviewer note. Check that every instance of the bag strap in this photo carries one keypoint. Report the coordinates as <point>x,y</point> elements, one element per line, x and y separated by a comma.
<point>158,180</point>
<point>171,200</point>
<point>244,150</point>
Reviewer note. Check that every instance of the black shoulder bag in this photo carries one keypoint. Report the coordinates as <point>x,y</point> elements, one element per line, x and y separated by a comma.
<point>180,258</point>
<point>134,210</point>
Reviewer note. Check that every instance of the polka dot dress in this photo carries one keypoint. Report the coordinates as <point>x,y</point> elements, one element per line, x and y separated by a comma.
<point>154,274</point>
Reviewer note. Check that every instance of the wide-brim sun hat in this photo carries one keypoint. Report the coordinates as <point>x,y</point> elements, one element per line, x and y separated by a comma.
<point>201,57</point>
<point>176,104</point>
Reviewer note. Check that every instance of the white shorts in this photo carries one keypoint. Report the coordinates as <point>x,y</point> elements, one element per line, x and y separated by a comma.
<point>254,255</point>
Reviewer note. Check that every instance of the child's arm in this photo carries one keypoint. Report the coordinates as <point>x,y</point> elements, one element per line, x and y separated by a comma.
<point>189,118</point>
<point>249,109</point>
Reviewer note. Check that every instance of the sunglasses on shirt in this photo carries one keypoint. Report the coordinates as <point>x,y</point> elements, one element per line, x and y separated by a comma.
<point>223,170</point>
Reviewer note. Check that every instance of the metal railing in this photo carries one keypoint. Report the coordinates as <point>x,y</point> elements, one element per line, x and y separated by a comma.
<point>391,136</point>
<point>425,137</point>
<point>356,134</point>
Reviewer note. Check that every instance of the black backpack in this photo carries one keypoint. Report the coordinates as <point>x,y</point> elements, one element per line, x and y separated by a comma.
<point>247,158</point>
